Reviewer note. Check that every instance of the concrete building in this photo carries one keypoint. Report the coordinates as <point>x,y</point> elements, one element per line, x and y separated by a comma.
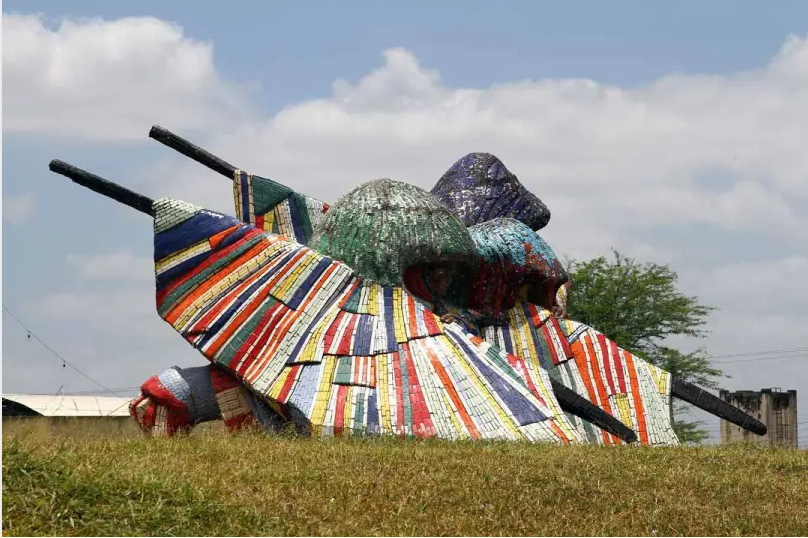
<point>66,414</point>
<point>64,405</point>
<point>775,408</point>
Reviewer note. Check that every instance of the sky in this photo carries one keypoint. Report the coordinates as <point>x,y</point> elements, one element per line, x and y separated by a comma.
<point>674,133</point>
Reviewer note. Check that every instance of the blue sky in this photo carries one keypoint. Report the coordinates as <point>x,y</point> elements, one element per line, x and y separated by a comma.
<point>308,45</point>
<point>645,148</point>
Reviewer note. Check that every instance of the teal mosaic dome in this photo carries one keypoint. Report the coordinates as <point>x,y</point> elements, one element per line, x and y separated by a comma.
<point>514,260</point>
<point>384,227</point>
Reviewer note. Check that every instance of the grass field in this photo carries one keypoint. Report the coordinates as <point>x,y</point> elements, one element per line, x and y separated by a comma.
<point>81,480</point>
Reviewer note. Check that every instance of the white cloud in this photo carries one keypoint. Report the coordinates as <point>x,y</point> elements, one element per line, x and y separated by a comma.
<point>98,79</point>
<point>770,287</point>
<point>18,208</point>
<point>130,309</point>
<point>614,159</point>
<point>121,265</point>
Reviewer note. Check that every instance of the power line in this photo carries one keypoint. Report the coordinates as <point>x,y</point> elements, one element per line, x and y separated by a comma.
<point>93,392</point>
<point>46,346</point>
<point>753,353</point>
<point>716,429</point>
<point>780,358</point>
<point>116,409</point>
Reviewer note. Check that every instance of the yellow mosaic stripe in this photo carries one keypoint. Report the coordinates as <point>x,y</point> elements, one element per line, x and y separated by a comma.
<point>228,281</point>
<point>348,409</point>
<point>290,276</point>
<point>237,196</point>
<point>374,293</point>
<point>531,345</point>
<point>660,378</point>
<point>516,331</point>
<point>398,316</point>
<point>323,391</point>
<point>284,215</point>
<point>237,192</point>
<point>301,271</point>
<point>277,386</point>
<point>624,406</point>
<point>311,349</point>
<point>181,256</point>
<point>251,198</point>
<point>382,392</point>
<point>269,220</point>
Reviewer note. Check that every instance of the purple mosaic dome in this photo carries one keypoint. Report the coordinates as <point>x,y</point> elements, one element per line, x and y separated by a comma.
<point>480,188</point>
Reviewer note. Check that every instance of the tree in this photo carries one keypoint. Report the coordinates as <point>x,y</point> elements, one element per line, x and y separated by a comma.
<point>638,306</point>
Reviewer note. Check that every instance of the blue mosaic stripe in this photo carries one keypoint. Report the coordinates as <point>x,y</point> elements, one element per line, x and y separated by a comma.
<point>296,212</point>
<point>507,342</point>
<point>392,344</point>
<point>362,339</point>
<point>168,276</point>
<point>520,407</point>
<point>198,228</point>
<point>244,180</point>
<point>307,284</point>
<point>305,390</point>
<point>373,412</point>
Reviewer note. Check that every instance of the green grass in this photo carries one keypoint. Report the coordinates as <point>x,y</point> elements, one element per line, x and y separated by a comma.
<point>91,482</point>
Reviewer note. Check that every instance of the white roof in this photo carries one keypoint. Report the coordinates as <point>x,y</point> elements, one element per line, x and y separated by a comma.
<point>73,406</point>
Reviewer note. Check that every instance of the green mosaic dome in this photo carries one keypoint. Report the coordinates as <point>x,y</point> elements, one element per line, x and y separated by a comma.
<point>383,227</point>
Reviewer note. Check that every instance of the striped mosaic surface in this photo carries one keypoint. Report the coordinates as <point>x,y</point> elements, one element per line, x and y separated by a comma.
<point>333,352</point>
<point>590,359</point>
<point>584,360</point>
<point>275,208</point>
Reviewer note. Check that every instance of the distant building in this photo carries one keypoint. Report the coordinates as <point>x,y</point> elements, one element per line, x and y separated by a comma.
<point>19,405</point>
<point>775,408</point>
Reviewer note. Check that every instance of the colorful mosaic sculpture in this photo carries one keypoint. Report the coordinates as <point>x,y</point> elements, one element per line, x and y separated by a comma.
<point>273,315</point>
<point>327,348</point>
<point>478,188</point>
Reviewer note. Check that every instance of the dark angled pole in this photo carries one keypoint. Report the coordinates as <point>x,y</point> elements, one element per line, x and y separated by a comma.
<point>103,186</point>
<point>191,150</point>
<point>572,402</point>
<point>711,403</point>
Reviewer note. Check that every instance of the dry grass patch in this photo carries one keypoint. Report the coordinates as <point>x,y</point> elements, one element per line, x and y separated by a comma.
<point>213,484</point>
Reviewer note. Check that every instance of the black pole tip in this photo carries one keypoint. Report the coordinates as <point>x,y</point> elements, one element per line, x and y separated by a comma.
<point>59,166</point>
